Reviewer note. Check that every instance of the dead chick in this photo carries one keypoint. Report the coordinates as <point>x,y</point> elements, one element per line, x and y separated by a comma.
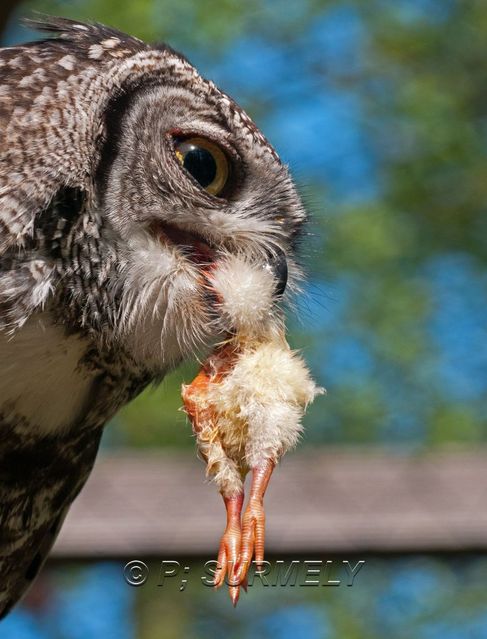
<point>246,406</point>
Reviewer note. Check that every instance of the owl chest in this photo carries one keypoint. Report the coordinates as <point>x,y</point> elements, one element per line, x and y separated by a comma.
<point>43,387</point>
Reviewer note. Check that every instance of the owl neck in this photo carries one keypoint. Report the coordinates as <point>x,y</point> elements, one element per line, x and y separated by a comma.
<point>52,381</point>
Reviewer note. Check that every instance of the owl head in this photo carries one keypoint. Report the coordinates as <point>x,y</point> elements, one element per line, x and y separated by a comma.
<point>187,223</point>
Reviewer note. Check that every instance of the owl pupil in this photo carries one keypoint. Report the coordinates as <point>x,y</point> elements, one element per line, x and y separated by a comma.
<point>201,164</point>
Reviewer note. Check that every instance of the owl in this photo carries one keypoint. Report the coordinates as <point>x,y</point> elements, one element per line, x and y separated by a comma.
<point>128,183</point>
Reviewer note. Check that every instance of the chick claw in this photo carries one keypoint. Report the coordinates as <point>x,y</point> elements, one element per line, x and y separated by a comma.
<point>253,538</point>
<point>239,542</point>
<point>229,550</point>
<point>253,528</point>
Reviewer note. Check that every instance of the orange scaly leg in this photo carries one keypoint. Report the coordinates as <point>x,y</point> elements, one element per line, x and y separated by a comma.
<point>253,526</point>
<point>230,546</point>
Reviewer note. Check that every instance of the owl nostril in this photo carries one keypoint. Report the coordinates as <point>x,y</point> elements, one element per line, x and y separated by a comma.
<point>277,264</point>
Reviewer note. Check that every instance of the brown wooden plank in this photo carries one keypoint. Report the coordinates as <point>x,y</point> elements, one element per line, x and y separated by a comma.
<point>337,500</point>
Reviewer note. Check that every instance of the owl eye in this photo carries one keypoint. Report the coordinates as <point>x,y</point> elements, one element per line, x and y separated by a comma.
<point>205,161</point>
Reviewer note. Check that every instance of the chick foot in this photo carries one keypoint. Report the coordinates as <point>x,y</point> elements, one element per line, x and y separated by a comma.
<point>253,526</point>
<point>229,551</point>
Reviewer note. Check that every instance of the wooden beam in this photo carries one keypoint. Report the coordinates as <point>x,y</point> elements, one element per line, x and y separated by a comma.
<point>157,504</point>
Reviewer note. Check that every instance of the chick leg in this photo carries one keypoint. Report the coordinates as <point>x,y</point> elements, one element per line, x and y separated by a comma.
<point>230,546</point>
<point>253,526</point>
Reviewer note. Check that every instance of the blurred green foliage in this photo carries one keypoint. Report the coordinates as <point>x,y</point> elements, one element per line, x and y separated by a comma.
<point>211,25</point>
<point>417,596</point>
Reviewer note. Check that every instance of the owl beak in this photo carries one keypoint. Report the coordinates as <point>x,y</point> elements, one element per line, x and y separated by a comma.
<point>194,245</point>
<point>277,264</point>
